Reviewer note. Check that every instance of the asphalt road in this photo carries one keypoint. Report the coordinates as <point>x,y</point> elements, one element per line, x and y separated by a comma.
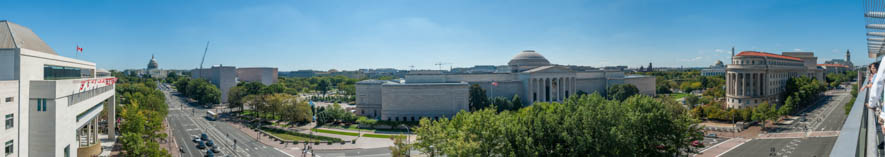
<point>187,120</point>
<point>826,115</point>
<point>815,146</point>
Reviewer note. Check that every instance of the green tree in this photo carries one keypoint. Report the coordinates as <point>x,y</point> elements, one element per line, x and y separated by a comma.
<point>764,112</point>
<point>323,86</point>
<point>274,88</point>
<point>235,97</point>
<point>517,102</point>
<point>399,148</point>
<point>621,91</point>
<point>692,99</point>
<point>209,94</point>
<point>580,126</point>
<point>478,98</point>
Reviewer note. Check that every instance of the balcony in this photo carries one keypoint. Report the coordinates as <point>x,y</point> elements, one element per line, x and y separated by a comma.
<point>82,95</point>
<point>859,135</point>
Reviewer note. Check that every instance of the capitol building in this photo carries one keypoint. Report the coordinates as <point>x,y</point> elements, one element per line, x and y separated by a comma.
<point>530,76</point>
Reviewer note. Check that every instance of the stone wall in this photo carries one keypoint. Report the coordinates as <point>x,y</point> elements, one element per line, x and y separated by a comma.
<point>413,101</point>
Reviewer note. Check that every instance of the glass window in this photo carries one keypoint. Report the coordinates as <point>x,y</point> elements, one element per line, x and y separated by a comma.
<point>9,148</point>
<point>41,105</point>
<point>9,99</point>
<point>60,73</point>
<point>10,121</point>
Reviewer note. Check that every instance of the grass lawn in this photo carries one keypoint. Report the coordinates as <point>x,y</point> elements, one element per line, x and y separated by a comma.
<point>336,132</point>
<point>678,95</point>
<point>381,135</point>
<point>294,136</point>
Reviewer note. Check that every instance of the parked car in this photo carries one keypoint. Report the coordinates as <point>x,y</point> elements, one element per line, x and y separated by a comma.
<point>697,143</point>
<point>197,138</point>
<point>210,154</point>
<point>204,137</point>
<point>201,145</point>
<point>712,135</point>
<point>215,150</point>
<point>210,143</point>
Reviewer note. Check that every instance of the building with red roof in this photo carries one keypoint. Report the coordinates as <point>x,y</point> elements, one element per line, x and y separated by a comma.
<point>755,77</point>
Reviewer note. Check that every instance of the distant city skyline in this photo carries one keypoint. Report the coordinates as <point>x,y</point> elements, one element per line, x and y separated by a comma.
<point>322,35</point>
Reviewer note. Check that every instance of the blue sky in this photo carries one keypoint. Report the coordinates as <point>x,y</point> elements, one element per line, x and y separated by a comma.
<point>349,35</point>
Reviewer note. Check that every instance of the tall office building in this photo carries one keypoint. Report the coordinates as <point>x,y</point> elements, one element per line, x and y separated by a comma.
<point>50,103</point>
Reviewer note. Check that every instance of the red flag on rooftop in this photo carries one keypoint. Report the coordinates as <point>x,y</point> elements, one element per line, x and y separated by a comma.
<point>79,49</point>
<point>495,84</point>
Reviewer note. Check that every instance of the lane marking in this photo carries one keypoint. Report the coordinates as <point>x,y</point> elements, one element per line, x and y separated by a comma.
<point>284,152</point>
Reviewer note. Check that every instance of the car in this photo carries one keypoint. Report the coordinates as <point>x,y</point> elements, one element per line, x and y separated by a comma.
<point>181,149</point>
<point>215,150</point>
<point>697,143</point>
<point>210,154</point>
<point>711,135</point>
<point>204,137</point>
<point>201,145</point>
<point>210,143</point>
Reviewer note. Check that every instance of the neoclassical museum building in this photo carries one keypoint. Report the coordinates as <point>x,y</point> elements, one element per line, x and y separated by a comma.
<point>529,76</point>
<point>756,77</point>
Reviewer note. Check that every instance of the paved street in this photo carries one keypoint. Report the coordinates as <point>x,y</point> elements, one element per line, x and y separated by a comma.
<point>817,146</point>
<point>826,115</point>
<point>186,120</point>
<point>825,119</point>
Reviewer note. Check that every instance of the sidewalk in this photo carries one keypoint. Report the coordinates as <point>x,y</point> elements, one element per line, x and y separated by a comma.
<point>295,149</point>
<point>723,147</point>
<point>170,144</point>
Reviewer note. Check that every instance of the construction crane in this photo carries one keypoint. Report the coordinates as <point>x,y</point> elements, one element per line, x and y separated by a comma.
<point>204,59</point>
<point>440,64</point>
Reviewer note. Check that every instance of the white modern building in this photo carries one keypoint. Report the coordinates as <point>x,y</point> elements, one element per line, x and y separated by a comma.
<point>226,77</point>
<point>51,104</point>
<point>223,77</point>
<point>263,75</point>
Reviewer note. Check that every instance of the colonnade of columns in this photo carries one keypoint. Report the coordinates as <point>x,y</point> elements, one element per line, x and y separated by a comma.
<point>549,89</point>
<point>746,83</point>
<point>88,134</point>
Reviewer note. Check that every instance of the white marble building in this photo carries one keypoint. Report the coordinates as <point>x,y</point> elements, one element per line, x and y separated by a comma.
<point>532,78</point>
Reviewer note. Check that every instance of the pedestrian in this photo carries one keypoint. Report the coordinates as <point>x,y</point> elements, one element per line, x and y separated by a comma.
<point>876,82</point>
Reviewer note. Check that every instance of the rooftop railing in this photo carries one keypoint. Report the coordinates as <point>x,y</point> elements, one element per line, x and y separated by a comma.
<point>859,135</point>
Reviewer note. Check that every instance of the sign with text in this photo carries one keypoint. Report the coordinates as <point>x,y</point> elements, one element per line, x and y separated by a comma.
<point>86,84</point>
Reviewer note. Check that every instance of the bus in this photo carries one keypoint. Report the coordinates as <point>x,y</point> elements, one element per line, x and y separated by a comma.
<point>211,115</point>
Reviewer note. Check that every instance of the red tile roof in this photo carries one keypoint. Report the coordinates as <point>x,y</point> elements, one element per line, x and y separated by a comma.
<point>833,65</point>
<point>765,54</point>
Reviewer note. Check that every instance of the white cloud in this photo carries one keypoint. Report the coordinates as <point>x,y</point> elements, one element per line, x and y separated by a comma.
<point>797,49</point>
<point>694,59</point>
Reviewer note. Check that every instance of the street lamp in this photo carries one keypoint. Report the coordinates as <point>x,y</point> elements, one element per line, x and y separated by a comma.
<point>407,137</point>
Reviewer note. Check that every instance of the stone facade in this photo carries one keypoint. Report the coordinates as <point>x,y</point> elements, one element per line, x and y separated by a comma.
<point>756,77</point>
<point>264,75</point>
<point>532,78</point>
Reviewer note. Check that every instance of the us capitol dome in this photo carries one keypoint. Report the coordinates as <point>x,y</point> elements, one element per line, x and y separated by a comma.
<point>527,59</point>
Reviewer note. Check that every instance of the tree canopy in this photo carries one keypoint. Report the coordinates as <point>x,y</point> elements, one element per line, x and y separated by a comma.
<point>621,91</point>
<point>580,126</point>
